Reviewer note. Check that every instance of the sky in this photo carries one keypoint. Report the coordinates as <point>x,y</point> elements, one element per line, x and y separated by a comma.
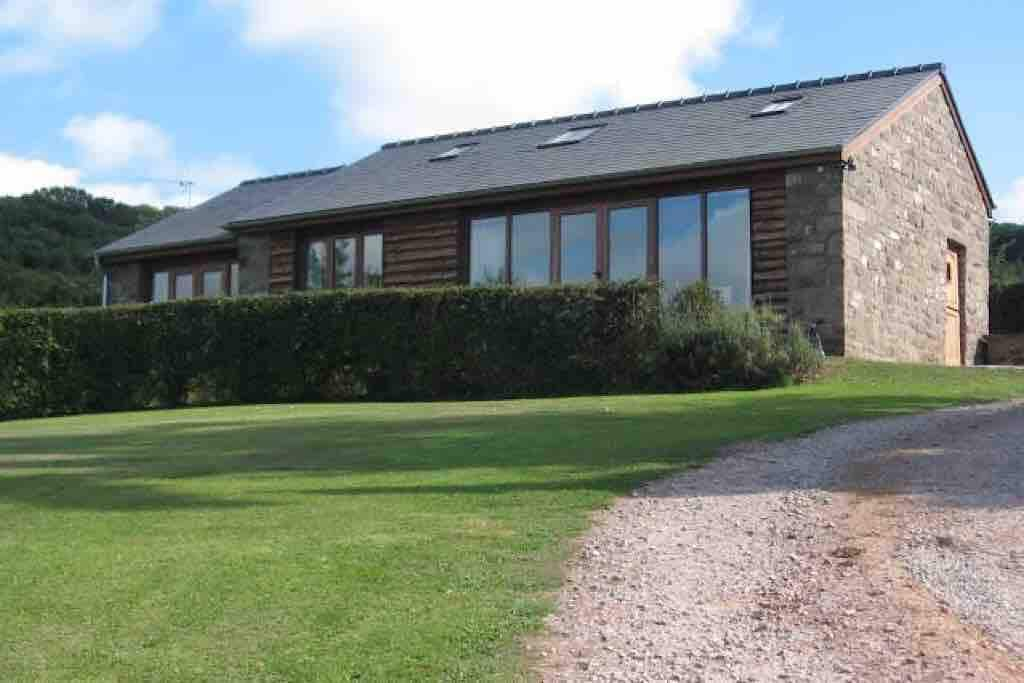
<point>129,97</point>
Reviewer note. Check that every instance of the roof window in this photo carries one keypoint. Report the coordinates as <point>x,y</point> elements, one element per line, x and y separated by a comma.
<point>572,135</point>
<point>778,106</point>
<point>454,152</point>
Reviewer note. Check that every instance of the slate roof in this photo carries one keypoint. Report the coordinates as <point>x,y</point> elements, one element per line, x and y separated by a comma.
<point>689,133</point>
<point>204,223</point>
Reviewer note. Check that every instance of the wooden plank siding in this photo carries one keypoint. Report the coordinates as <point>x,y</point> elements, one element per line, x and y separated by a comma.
<point>431,248</point>
<point>768,239</point>
<point>422,255</point>
<point>283,259</point>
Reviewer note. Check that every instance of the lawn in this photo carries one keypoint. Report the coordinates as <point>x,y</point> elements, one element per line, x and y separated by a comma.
<point>337,542</point>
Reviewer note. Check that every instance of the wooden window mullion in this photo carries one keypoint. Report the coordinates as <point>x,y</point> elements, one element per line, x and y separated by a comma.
<point>602,239</point>
<point>704,235</point>
<point>652,240</point>
<point>508,248</point>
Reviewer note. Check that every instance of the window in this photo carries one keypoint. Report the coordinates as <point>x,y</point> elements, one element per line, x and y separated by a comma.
<point>579,247</point>
<point>373,261</point>
<point>487,251</point>
<point>161,287</point>
<point>454,152</point>
<point>729,245</point>
<point>531,248</point>
<point>778,106</point>
<point>627,243</point>
<point>680,242</point>
<point>316,265</point>
<point>213,283</point>
<point>236,285</point>
<point>572,135</point>
<point>345,262</point>
<point>183,286</point>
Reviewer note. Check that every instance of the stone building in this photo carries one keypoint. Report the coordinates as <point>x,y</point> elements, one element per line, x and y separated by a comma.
<point>855,203</point>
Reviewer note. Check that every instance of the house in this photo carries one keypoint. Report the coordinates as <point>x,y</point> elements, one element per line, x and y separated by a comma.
<point>853,202</point>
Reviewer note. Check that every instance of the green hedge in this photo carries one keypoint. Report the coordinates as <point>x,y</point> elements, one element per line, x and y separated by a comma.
<point>451,343</point>
<point>1006,309</point>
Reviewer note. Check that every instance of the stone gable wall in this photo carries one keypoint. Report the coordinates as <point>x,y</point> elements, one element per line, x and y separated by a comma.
<point>913,192</point>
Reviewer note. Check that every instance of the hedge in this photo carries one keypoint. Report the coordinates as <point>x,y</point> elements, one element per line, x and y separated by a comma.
<point>450,343</point>
<point>1006,309</point>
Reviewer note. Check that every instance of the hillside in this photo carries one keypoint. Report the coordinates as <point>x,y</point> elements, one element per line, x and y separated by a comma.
<point>47,240</point>
<point>1006,253</point>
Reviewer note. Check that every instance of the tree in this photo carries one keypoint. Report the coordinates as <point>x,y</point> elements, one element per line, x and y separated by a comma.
<point>47,240</point>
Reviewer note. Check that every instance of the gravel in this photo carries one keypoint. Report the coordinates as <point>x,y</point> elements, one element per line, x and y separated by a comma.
<point>887,550</point>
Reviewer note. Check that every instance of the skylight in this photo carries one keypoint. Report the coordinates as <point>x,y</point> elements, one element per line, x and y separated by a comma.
<point>572,135</point>
<point>454,151</point>
<point>778,106</point>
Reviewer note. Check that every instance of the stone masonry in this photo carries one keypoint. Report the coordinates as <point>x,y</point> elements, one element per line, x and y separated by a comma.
<point>912,195</point>
<point>866,247</point>
<point>814,250</point>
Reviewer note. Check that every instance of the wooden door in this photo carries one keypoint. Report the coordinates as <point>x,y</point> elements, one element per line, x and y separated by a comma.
<point>954,354</point>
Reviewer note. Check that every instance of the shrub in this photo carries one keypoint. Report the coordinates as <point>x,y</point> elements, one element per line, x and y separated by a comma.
<point>393,344</point>
<point>447,343</point>
<point>1006,309</point>
<point>704,345</point>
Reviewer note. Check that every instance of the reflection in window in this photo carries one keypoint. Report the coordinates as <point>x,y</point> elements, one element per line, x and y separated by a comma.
<point>579,247</point>
<point>680,252</point>
<point>531,248</point>
<point>373,261</point>
<point>316,260</point>
<point>729,245</point>
<point>627,243</point>
<point>161,287</point>
<point>213,283</point>
<point>235,283</point>
<point>487,251</point>
<point>345,262</point>
<point>183,286</point>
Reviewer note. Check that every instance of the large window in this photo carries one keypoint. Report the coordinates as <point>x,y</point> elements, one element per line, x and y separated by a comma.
<point>347,261</point>
<point>680,242</point>
<point>487,251</point>
<point>531,248</point>
<point>627,243</point>
<point>213,283</point>
<point>183,285</point>
<point>373,261</point>
<point>678,239</point>
<point>729,245</point>
<point>161,287</point>
<point>579,247</point>
<point>316,265</point>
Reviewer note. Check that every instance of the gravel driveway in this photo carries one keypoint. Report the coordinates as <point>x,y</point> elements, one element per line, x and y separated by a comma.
<point>888,550</point>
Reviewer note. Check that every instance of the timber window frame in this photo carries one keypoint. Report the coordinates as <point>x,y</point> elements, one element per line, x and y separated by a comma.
<point>362,277</point>
<point>603,212</point>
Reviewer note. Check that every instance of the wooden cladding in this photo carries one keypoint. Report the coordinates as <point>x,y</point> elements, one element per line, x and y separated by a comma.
<point>768,239</point>
<point>283,258</point>
<point>422,255</point>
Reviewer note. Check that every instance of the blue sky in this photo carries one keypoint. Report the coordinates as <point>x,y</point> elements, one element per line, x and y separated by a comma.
<point>126,96</point>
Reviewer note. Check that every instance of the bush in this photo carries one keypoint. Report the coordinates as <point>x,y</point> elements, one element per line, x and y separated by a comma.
<point>1006,309</point>
<point>393,344</point>
<point>704,345</point>
<point>449,343</point>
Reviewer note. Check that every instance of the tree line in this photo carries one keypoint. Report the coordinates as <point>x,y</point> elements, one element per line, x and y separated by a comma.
<point>47,240</point>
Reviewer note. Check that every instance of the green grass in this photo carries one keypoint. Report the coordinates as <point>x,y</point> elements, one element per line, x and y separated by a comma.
<point>334,542</point>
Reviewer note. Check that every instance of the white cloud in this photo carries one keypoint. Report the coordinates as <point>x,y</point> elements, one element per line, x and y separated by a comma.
<point>51,30</point>
<point>109,141</point>
<point>416,68</point>
<point>1011,205</point>
<point>19,176</point>
<point>130,160</point>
